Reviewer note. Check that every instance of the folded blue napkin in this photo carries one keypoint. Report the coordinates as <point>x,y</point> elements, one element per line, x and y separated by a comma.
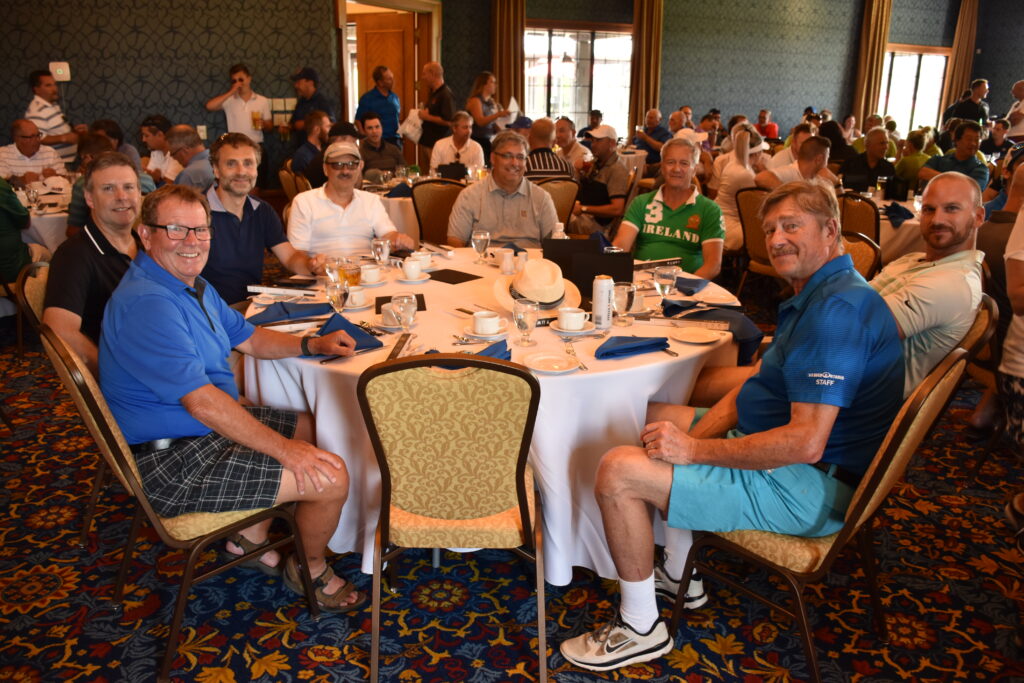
<point>364,340</point>
<point>498,349</point>
<point>748,336</point>
<point>400,190</point>
<point>600,238</point>
<point>624,347</point>
<point>513,246</point>
<point>286,310</point>
<point>690,285</point>
<point>897,214</point>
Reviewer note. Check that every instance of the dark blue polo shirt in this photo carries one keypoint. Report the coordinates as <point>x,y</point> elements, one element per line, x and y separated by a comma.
<point>317,101</point>
<point>237,247</point>
<point>836,344</point>
<point>387,106</point>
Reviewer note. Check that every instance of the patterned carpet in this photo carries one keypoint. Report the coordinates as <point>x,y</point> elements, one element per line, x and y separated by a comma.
<point>952,585</point>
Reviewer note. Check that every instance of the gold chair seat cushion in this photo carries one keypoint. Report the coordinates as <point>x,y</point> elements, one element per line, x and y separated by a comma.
<point>795,553</point>
<point>195,524</point>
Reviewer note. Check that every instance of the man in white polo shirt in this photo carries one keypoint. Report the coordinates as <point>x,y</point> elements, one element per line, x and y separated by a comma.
<point>246,111</point>
<point>27,159</point>
<point>44,111</point>
<point>337,218</point>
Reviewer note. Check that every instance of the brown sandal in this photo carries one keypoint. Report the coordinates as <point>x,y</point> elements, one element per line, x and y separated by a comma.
<point>329,602</point>
<point>248,546</point>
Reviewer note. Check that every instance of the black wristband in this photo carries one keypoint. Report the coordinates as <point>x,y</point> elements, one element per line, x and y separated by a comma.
<point>304,343</point>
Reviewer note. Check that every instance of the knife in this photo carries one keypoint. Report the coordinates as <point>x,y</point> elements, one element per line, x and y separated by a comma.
<point>296,321</point>
<point>399,345</point>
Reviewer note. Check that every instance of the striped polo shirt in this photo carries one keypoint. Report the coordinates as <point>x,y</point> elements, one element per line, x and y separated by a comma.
<point>49,117</point>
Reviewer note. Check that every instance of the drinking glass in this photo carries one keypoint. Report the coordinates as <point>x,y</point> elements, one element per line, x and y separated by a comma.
<point>622,302</point>
<point>381,249</point>
<point>337,295</point>
<point>332,268</point>
<point>351,272</point>
<point>524,314</point>
<point>665,280</point>
<point>32,195</point>
<point>404,304</point>
<point>480,240</point>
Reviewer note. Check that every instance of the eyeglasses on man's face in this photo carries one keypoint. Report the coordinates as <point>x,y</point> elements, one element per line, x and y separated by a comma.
<point>339,165</point>
<point>179,232</point>
<point>508,156</point>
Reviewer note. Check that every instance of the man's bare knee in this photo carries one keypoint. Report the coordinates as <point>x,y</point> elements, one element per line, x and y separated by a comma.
<point>617,469</point>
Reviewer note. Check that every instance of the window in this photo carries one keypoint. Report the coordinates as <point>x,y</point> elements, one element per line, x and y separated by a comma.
<point>563,64</point>
<point>912,80</point>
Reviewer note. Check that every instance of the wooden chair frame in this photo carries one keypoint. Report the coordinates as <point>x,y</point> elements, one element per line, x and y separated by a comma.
<point>754,247</point>
<point>853,198</point>
<point>875,264</point>
<point>428,233</point>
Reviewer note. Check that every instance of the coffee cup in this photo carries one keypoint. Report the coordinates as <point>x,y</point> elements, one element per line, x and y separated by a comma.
<point>486,323</point>
<point>369,273</point>
<point>424,258</point>
<point>412,268</point>
<point>388,316</point>
<point>572,319</point>
<point>356,296</point>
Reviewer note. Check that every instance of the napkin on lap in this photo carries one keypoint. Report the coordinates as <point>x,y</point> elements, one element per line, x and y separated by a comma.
<point>364,340</point>
<point>624,347</point>
<point>286,310</point>
<point>897,214</point>
<point>690,285</point>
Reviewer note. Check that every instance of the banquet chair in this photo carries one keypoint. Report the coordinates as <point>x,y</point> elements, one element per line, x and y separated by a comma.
<point>433,200</point>
<point>302,183</point>
<point>194,532</point>
<point>859,214</point>
<point>453,470</point>
<point>563,193</point>
<point>748,204</point>
<point>632,188</point>
<point>866,255</point>
<point>30,288</point>
<point>800,561</point>
<point>287,179</point>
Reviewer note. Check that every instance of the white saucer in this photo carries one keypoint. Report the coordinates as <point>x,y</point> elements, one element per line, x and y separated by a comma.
<point>420,280</point>
<point>358,308</point>
<point>378,283</point>
<point>468,331</point>
<point>587,328</point>
<point>379,322</point>
<point>716,298</point>
<point>550,363</point>
<point>697,335</point>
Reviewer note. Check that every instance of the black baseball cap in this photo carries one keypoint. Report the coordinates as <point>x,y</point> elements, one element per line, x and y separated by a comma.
<point>306,72</point>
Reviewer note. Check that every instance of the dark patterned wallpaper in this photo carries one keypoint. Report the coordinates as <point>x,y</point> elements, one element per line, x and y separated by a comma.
<point>924,22</point>
<point>742,55</point>
<point>614,11</point>
<point>130,59</point>
<point>1001,59</point>
<point>466,45</point>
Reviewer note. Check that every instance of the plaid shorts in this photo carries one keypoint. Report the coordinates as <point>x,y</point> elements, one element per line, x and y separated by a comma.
<point>1013,403</point>
<point>211,473</point>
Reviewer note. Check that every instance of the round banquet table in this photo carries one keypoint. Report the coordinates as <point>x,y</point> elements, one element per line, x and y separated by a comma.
<point>49,230</point>
<point>581,414</point>
<point>895,242</point>
<point>634,160</point>
<point>403,215</point>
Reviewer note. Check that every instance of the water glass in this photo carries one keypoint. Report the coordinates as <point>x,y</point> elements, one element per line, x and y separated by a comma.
<point>381,249</point>
<point>622,302</point>
<point>665,280</point>
<point>33,199</point>
<point>480,239</point>
<point>404,305</point>
<point>337,295</point>
<point>333,269</point>
<point>524,314</point>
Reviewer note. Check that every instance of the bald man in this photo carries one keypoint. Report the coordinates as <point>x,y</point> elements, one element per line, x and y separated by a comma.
<point>27,160</point>
<point>652,136</point>
<point>542,162</point>
<point>440,109</point>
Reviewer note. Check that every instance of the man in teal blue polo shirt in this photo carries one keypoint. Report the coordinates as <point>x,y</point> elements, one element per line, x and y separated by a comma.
<point>800,432</point>
<point>963,158</point>
<point>381,98</point>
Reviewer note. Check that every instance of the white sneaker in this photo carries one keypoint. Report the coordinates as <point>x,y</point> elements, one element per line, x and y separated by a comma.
<point>667,588</point>
<point>615,644</point>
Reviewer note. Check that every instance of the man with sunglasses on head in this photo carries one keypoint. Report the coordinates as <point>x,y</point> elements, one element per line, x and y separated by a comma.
<point>165,374</point>
<point>505,202</point>
<point>337,218</point>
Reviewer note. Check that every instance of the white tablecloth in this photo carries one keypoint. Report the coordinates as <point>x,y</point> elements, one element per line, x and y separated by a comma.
<point>634,160</point>
<point>403,215</point>
<point>581,416</point>
<point>896,242</point>
<point>49,230</point>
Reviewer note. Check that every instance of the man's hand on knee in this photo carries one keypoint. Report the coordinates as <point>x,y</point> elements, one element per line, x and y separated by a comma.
<point>305,460</point>
<point>665,441</point>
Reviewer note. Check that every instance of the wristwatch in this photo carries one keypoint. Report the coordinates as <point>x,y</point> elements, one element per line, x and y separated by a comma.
<point>304,343</point>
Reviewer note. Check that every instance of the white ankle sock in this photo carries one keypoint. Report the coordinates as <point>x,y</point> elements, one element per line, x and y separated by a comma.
<point>677,547</point>
<point>639,607</point>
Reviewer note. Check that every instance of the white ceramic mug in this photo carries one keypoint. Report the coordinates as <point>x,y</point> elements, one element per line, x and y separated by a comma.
<point>424,258</point>
<point>356,296</point>
<point>388,316</point>
<point>370,273</point>
<point>412,268</point>
<point>486,323</point>
<point>572,319</point>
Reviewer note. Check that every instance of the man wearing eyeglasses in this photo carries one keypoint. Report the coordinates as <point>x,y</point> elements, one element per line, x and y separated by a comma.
<point>186,147</point>
<point>246,111</point>
<point>337,218</point>
<point>89,265</point>
<point>27,160</point>
<point>164,372</point>
<point>507,204</point>
<point>246,227</point>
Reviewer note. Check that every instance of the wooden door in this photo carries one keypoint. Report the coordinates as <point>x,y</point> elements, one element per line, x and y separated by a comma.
<point>387,38</point>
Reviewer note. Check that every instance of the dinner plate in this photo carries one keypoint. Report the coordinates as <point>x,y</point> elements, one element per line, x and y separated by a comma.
<point>468,331</point>
<point>551,363</point>
<point>697,335</point>
<point>423,278</point>
<point>379,283</point>
<point>587,328</point>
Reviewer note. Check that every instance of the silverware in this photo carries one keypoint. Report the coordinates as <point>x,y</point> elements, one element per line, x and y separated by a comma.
<point>569,349</point>
<point>485,308</point>
<point>593,335</point>
<point>357,353</point>
<point>464,310</point>
<point>468,343</point>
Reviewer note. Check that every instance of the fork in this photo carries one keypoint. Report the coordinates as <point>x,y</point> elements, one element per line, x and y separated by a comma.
<point>569,338</point>
<point>571,350</point>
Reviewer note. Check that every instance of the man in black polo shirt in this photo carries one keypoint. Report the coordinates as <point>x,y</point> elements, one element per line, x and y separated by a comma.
<point>88,266</point>
<point>243,226</point>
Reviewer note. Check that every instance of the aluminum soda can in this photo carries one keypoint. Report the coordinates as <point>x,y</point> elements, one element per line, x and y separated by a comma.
<point>601,302</point>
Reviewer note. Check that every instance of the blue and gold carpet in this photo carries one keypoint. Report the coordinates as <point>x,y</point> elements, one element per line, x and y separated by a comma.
<point>951,582</point>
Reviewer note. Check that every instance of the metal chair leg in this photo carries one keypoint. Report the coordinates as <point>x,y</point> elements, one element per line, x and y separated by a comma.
<point>126,561</point>
<point>90,508</point>
<point>867,557</point>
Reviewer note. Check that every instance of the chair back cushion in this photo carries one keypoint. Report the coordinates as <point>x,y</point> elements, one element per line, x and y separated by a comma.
<point>433,201</point>
<point>859,214</point>
<point>287,179</point>
<point>31,290</point>
<point>866,255</point>
<point>748,204</point>
<point>563,193</point>
<point>450,441</point>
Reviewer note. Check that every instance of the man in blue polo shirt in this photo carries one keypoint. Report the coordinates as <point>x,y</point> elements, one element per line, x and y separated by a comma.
<point>383,100</point>
<point>962,159</point>
<point>245,226</point>
<point>164,372</point>
<point>800,432</point>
